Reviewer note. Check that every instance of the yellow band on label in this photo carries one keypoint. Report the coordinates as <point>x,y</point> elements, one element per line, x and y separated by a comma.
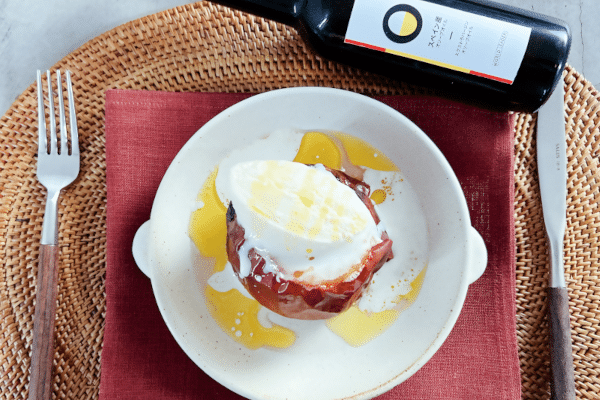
<point>427,60</point>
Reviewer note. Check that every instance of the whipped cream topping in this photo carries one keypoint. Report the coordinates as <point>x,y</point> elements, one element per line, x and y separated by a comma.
<point>301,219</point>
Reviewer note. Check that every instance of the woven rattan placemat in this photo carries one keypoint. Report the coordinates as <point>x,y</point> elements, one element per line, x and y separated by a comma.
<point>205,47</point>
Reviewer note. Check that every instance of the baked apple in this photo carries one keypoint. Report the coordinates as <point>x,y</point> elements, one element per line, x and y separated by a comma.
<point>304,240</point>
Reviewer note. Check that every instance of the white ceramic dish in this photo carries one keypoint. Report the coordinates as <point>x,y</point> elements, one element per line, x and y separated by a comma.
<point>320,366</point>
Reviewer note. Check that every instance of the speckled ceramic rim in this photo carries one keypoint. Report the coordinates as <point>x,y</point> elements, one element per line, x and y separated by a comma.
<point>422,163</point>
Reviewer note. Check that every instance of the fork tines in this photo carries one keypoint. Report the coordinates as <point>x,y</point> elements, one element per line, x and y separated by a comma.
<point>63,137</point>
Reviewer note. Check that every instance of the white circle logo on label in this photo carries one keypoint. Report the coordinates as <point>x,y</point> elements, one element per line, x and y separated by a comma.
<point>402,23</point>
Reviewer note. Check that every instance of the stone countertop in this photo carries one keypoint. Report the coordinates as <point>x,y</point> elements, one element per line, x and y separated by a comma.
<point>35,34</point>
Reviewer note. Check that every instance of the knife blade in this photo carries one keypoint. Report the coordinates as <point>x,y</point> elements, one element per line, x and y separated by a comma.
<point>552,173</point>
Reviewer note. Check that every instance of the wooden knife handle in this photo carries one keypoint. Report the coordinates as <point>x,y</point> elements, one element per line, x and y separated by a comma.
<point>561,349</point>
<point>40,383</point>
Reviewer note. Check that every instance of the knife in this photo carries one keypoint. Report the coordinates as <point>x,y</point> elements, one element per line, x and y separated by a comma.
<point>552,173</point>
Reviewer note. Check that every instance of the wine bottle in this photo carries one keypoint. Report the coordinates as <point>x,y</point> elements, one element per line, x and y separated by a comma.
<point>484,52</point>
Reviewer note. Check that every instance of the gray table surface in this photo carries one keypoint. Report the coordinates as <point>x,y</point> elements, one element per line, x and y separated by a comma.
<point>35,34</point>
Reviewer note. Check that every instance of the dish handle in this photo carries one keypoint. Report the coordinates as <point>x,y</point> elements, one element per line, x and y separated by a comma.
<point>140,248</point>
<point>477,256</point>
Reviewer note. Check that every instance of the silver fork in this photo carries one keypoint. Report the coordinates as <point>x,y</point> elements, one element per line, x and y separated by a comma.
<point>55,170</point>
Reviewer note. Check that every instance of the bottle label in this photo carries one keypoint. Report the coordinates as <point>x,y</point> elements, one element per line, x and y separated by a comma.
<point>441,36</point>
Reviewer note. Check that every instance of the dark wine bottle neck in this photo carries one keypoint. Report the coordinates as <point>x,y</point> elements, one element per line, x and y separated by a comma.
<point>284,11</point>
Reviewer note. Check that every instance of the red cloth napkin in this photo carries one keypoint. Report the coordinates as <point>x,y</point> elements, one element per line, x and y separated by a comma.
<point>141,360</point>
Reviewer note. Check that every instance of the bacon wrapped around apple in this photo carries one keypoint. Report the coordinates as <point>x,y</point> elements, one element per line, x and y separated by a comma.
<point>305,292</point>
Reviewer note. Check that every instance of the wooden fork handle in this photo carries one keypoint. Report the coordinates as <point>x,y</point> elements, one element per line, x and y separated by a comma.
<point>40,383</point>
